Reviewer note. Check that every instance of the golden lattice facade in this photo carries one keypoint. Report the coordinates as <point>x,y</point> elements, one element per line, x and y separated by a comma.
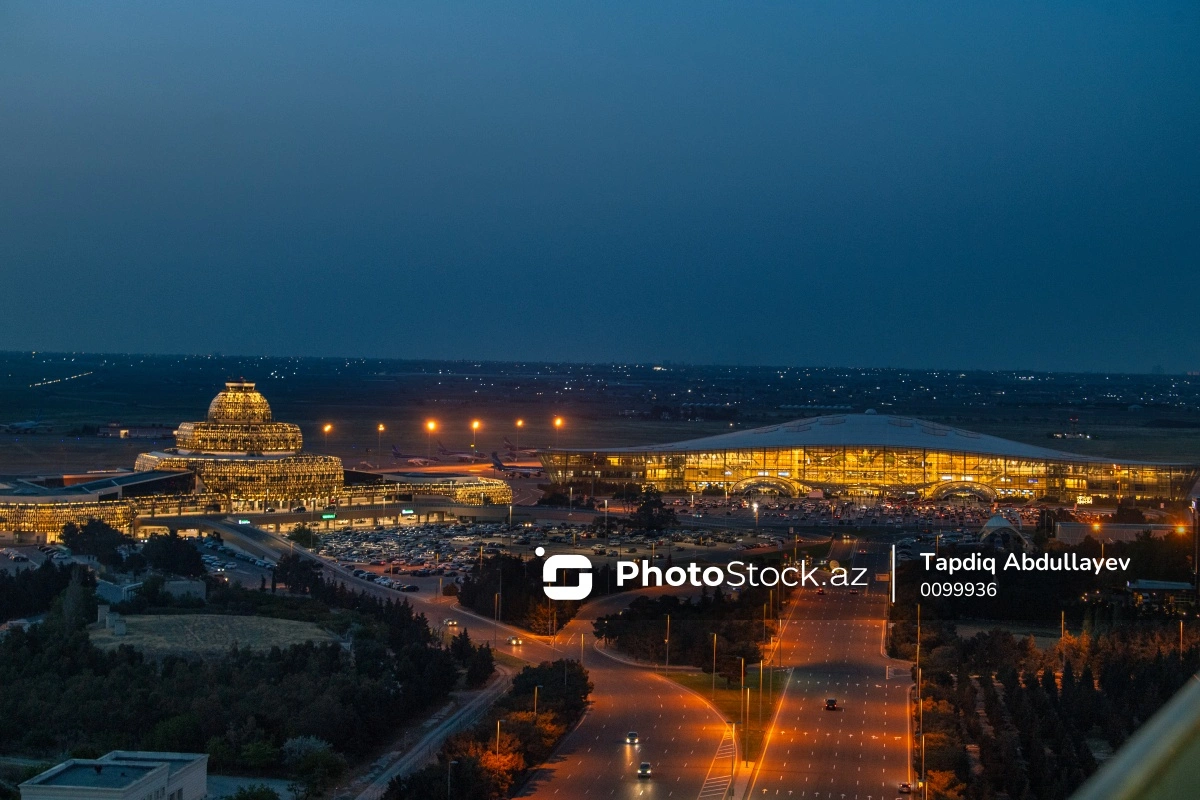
<point>241,453</point>
<point>45,520</point>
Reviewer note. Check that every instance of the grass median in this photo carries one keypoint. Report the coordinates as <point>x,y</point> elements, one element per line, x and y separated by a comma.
<point>732,704</point>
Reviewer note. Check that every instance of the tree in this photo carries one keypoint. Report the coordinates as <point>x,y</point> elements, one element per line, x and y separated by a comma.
<point>300,575</point>
<point>304,536</point>
<point>255,791</point>
<point>97,539</point>
<point>169,553</point>
<point>461,647</point>
<point>481,666</point>
<point>651,514</point>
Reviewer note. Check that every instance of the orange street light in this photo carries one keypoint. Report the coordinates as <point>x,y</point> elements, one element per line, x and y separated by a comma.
<point>558,423</point>
<point>517,435</point>
<point>474,428</point>
<point>325,430</point>
<point>379,440</point>
<point>430,427</point>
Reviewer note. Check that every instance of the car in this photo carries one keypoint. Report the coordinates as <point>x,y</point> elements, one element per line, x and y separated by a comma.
<point>831,704</point>
<point>905,788</point>
<point>450,623</point>
<point>515,641</point>
<point>410,587</point>
<point>644,769</point>
<point>231,565</point>
<point>631,737</point>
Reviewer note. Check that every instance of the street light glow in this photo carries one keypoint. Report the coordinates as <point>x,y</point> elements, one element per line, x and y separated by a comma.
<point>431,426</point>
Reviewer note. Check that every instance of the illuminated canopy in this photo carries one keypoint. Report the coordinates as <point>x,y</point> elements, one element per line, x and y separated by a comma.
<point>872,454</point>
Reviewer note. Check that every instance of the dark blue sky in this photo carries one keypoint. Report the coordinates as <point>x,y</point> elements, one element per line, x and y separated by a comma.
<point>888,184</point>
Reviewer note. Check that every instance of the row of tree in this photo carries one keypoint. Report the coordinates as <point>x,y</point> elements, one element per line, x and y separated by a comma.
<point>491,759</point>
<point>738,623</point>
<point>1045,711</point>
<point>31,591</point>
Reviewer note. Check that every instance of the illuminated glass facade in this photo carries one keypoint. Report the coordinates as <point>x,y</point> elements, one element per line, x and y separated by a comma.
<point>877,455</point>
<point>240,452</point>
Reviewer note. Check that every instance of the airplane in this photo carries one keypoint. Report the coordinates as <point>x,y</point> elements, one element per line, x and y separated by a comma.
<point>28,426</point>
<point>465,457</point>
<point>515,471</point>
<point>416,461</point>
<point>513,450</point>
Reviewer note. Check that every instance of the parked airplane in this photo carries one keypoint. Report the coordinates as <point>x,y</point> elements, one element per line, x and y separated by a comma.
<point>28,426</point>
<point>513,450</point>
<point>416,461</point>
<point>463,456</point>
<point>514,470</point>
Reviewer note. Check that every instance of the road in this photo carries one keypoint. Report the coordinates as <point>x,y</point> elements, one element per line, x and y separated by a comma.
<point>832,643</point>
<point>684,738</point>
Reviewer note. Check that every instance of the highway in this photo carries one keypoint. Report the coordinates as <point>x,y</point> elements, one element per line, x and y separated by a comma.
<point>684,738</point>
<point>832,642</point>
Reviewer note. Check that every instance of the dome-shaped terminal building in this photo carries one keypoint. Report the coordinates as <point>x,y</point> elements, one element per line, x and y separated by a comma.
<point>240,451</point>
<point>872,454</point>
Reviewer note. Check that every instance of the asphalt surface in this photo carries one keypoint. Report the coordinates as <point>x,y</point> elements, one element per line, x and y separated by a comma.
<point>833,644</point>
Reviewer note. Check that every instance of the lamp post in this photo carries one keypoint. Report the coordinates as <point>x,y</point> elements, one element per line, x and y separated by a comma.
<point>449,767</point>
<point>667,656</point>
<point>535,699</point>
<point>558,423</point>
<point>430,427</point>
<point>733,752</point>
<point>714,672</point>
<point>498,736</point>
<point>517,435</point>
<point>379,442</point>
<point>474,430</point>
<point>755,507</point>
<point>325,430</point>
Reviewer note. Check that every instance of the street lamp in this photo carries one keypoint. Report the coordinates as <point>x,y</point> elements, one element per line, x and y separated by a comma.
<point>379,441</point>
<point>755,507</point>
<point>498,736</point>
<point>450,766</point>
<point>517,435</point>
<point>325,430</point>
<point>474,429</point>
<point>558,423</point>
<point>714,674</point>
<point>535,699</point>
<point>430,427</point>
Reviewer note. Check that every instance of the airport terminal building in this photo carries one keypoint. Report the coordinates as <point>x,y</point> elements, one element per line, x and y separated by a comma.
<point>874,455</point>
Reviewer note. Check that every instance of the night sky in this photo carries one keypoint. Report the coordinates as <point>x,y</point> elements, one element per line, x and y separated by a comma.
<point>865,184</point>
